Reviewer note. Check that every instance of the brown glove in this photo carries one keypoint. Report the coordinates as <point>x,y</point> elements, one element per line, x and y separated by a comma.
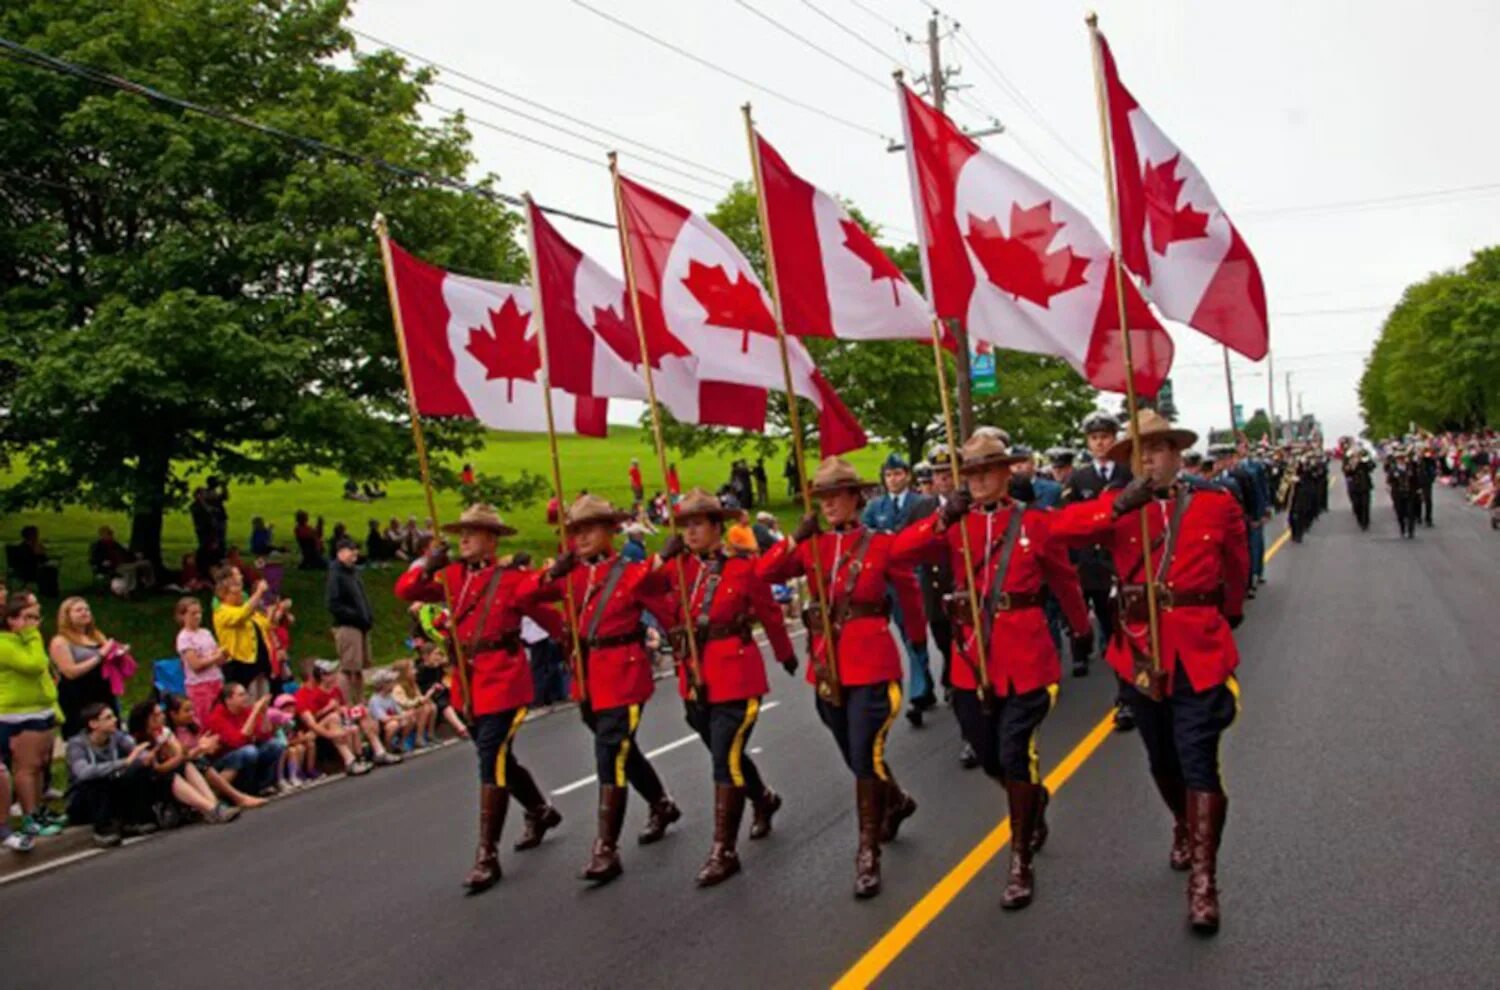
<point>807,528</point>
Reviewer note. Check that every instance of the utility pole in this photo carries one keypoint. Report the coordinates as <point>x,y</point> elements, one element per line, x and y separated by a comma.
<point>1291,421</point>
<point>1271,432</point>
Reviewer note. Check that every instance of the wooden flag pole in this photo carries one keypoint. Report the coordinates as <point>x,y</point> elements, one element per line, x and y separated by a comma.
<point>1234,427</point>
<point>1153,619</point>
<point>828,671</point>
<point>981,665</point>
<point>420,442</point>
<point>695,670</point>
<point>575,658</point>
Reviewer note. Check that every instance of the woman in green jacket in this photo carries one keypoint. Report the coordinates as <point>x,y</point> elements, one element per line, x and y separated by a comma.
<point>28,711</point>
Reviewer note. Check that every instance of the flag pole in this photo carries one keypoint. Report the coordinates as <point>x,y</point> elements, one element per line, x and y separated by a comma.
<point>420,442</point>
<point>695,671</point>
<point>828,670</point>
<point>1153,620</point>
<point>981,665</point>
<point>1234,429</point>
<point>575,658</point>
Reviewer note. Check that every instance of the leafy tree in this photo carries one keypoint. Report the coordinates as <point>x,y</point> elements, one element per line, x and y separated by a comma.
<point>179,294</point>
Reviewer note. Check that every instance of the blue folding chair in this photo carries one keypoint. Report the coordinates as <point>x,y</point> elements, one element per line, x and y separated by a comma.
<point>167,676</point>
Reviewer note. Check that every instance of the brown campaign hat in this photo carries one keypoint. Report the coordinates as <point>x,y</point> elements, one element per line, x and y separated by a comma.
<point>698,502</point>
<point>480,516</point>
<point>589,509</point>
<point>986,450</point>
<point>836,475</point>
<point>1153,424</point>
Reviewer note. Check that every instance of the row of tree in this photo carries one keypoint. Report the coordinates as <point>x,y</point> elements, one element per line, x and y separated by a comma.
<point>1436,363</point>
<point>180,295</point>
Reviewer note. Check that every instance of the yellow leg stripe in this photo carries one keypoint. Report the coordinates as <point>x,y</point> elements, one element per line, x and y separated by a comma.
<point>1034,755</point>
<point>504,752</point>
<point>894,690</point>
<point>1233,684</point>
<point>624,753</point>
<point>737,747</point>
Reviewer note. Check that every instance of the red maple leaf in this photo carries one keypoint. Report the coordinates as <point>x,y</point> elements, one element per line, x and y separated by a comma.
<point>737,305</point>
<point>862,247</point>
<point>1021,264</point>
<point>1167,222</point>
<point>619,333</point>
<point>504,350</point>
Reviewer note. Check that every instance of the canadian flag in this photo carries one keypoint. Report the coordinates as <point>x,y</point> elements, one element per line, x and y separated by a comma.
<point>473,352</point>
<point>1173,233</point>
<point>595,350</point>
<point>699,294</point>
<point>833,278</point>
<point>1018,264</point>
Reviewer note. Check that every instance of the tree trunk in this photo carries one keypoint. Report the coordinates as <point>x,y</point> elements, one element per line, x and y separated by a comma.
<point>149,505</point>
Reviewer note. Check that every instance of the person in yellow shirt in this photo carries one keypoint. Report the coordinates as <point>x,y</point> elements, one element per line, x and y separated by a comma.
<point>244,632</point>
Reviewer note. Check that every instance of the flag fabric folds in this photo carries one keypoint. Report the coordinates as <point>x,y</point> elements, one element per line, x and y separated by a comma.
<point>699,295</point>
<point>1191,260</point>
<point>1019,265</point>
<point>473,352</point>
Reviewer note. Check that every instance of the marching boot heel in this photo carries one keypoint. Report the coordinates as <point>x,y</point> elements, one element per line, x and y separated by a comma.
<point>604,862</point>
<point>485,872</point>
<point>723,862</point>
<point>764,810</point>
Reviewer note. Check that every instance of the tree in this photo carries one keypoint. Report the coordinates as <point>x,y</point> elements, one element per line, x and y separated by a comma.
<point>179,294</point>
<point>891,386</point>
<point>1437,358</point>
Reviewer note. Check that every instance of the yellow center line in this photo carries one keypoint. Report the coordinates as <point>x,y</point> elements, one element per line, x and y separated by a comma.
<point>935,901</point>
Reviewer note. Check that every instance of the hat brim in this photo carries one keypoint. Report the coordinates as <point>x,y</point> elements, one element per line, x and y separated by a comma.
<point>498,528</point>
<point>712,513</point>
<point>857,485</point>
<point>973,465</point>
<point>606,519</point>
<point>1123,448</point>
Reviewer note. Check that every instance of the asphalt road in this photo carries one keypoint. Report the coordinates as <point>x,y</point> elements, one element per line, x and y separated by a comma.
<point>1361,848</point>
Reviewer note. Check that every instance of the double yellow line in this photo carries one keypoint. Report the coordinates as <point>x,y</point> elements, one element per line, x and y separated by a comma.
<point>935,901</point>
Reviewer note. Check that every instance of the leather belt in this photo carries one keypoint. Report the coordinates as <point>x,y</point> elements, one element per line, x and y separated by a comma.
<point>960,611</point>
<point>1169,598</point>
<point>506,642</point>
<point>710,631</point>
<point>623,639</point>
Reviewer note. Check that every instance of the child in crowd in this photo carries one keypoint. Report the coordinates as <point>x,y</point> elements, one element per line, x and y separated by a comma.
<point>201,748</point>
<point>432,678</point>
<point>394,722</point>
<point>409,696</point>
<point>283,718</point>
<point>321,709</point>
<point>202,657</point>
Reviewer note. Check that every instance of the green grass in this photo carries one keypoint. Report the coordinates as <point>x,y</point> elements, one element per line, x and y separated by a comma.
<point>147,624</point>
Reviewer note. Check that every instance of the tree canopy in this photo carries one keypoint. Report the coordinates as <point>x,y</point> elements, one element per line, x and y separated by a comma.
<point>180,294</point>
<point>1436,362</point>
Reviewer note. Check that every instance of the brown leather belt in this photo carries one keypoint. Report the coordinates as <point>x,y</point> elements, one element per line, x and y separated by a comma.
<point>960,611</point>
<point>1169,598</point>
<point>708,632</point>
<point>506,642</point>
<point>856,610</point>
<point>623,639</point>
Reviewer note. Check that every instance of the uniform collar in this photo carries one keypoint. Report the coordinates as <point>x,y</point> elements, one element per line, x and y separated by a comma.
<point>849,527</point>
<point>599,558</point>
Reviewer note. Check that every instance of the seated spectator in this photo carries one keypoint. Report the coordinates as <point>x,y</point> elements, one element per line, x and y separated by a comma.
<point>201,748</point>
<point>767,531</point>
<point>371,491</point>
<point>321,709</point>
<point>392,720</point>
<point>249,753</point>
<point>148,724</point>
<point>634,550</point>
<point>396,537</point>
<point>78,652</point>
<point>466,476</point>
<point>111,784</point>
<point>432,678</point>
<point>409,695</point>
<point>740,538</point>
<point>299,762</point>
<point>28,717</point>
<point>202,657</point>
<point>263,538</point>
<point>378,550</point>
<point>310,543</point>
<point>30,562</point>
<point>125,569</point>
<point>352,492</point>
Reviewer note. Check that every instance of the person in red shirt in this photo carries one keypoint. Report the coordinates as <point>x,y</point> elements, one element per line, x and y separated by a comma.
<point>1016,561</point>
<point>725,596</point>
<point>249,753</point>
<point>674,485</point>
<point>320,709</point>
<point>1200,563</point>
<point>489,600</point>
<point>857,567</point>
<point>637,485</point>
<point>610,595</point>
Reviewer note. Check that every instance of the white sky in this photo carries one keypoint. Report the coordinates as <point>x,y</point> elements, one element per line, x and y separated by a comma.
<point>1282,104</point>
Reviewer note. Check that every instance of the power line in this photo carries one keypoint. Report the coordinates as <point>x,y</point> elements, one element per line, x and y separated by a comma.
<point>743,80</point>
<point>811,44</point>
<point>845,29</point>
<point>37,59</point>
<point>1381,202</point>
<point>1340,311</point>
<point>883,19</point>
<point>459,74</point>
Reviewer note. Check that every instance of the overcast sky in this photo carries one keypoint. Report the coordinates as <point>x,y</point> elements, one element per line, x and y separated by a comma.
<point>1299,114</point>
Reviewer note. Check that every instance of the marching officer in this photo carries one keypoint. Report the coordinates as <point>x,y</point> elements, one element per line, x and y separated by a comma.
<point>609,596</point>
<point>725,597</point>
<point>1359,480</point>
<point>1200,563</point>
<point>1096,569</point>
<point>1405,483</point>
<point>489,600</point>
<point>1016,560</point>
<point>858,675</point>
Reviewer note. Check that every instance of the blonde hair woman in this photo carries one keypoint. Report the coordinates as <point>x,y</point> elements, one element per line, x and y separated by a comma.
<point>77,651</point>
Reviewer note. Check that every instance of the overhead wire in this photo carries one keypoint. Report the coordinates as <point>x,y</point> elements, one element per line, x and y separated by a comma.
<point>850,32</point>
<point>809,43</point>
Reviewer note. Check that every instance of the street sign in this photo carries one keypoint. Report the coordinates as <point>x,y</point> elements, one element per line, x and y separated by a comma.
<point>1239,416</point>
<point>982,371</point>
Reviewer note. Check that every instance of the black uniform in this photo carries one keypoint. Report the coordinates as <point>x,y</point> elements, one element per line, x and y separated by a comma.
<point>1405,482</point>
<point>1427,472</point>
<point>1359,480</point>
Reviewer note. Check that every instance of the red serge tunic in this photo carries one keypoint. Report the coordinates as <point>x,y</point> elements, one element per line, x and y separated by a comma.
<point>501,677</point>
<point>732,666</point>
<point>1021,655</point>
<point>619,674</point>
<point>1211,553</point>
<point>866,652</point>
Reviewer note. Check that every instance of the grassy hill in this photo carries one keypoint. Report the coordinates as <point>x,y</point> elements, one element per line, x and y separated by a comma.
<point>597,465</point>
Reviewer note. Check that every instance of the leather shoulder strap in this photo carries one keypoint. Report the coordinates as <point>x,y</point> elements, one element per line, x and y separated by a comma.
<point>611,581</point>
<point>489,602</point>
<point>1184,496</point>
<point>711,581</point>
<point>1007,548</point>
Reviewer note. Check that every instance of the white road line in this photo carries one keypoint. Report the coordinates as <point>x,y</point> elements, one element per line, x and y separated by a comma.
<point>580,784</point>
